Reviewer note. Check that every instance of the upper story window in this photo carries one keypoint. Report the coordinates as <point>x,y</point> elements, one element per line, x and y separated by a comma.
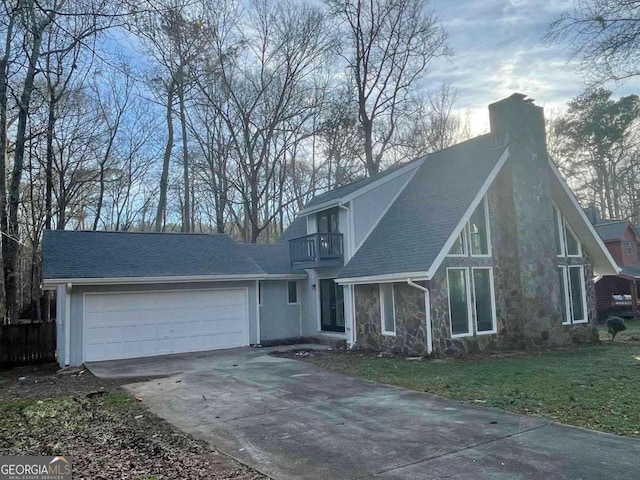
<point>327,221</point>
<point>567,244</point>
<point>474,239</point>
<point>628,248</point>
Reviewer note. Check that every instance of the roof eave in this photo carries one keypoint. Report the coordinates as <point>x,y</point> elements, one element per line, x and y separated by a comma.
<point>386,278</point>
<point>609,265</point>
<point>49,283</point>
<point>362,190</point>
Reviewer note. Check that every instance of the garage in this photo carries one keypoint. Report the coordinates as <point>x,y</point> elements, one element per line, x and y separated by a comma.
<point>142,324</point>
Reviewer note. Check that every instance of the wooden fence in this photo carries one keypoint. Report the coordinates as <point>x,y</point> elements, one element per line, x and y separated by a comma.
<point>27,343</point>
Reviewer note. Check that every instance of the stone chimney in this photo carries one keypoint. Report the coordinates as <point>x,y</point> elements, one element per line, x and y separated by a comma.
<point>593,214</point>
<point>517,123</point>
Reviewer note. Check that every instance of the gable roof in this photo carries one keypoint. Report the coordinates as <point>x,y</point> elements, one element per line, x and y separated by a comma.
<point>95,255</point>
<point>439,195</point>
<point>613,229</point>
<point>344,192</point>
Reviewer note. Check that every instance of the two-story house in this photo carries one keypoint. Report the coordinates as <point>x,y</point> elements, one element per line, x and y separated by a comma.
<point>618,294</point>
<point>479,247</point>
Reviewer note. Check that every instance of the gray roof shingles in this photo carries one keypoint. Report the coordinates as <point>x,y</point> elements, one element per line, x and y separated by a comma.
<point>612,229</point>
<point>273,259</point>
<point>415,228</point>
<point>79,254</point>
<point>339,192</point>
<point>297,229</point>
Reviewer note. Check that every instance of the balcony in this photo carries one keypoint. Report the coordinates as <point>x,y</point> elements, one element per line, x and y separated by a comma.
<point>316,250</point>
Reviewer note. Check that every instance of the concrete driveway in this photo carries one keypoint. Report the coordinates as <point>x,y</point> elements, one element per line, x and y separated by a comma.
<point>291,420</point>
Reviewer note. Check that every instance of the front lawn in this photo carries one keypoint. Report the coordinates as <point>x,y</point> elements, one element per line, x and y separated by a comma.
<point>596,387</point>
<point>107,433</point>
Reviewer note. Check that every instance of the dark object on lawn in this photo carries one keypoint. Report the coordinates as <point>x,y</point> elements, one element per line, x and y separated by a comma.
<point>615,325</point>
<point>95,394</point>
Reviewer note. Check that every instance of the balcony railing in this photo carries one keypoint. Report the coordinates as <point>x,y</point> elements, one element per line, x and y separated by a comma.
<point>317,250</point>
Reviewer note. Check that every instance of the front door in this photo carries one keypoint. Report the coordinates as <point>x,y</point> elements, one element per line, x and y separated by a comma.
<point>331,306</point>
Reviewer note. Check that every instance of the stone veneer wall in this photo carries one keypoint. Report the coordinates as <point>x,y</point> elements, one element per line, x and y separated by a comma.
<point>512,333</point>
<point>411,335</point>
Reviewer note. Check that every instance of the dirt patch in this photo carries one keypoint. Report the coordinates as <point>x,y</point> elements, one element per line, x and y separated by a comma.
<point>107,433</point>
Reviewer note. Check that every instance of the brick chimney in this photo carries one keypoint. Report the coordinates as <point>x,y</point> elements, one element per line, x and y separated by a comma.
<point>517,123</point>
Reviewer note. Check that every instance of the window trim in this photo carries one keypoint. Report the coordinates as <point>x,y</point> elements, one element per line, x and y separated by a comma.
<point>383,329</point>
<point>488,232</point>
<point>465,244</point>
<point>566,249</point>
<point>559,219</point>
<point>469,308</point>
<point>625,244</point>
<point>568,307</point>
<point>567,299</point>
<point>289,302</point>
<point>494,319</point>
<point>582,290</point>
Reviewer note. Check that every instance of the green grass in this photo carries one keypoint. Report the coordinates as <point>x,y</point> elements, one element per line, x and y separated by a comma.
<point>595,387</point>
<point>118,398</point>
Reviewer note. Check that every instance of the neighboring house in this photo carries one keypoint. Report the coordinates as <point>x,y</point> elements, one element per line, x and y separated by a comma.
<point>481,246</point>
<point>618,294</point>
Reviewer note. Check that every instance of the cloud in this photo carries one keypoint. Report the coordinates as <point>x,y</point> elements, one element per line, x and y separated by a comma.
<point>498,50</point>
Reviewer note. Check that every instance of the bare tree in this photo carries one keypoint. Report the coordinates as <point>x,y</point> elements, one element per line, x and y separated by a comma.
<point>388,45</point>
<point>604,36</point>
<point>264,88</point>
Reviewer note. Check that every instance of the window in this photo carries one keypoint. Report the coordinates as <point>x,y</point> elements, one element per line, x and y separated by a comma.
<point>478,231</point>
<point>328,221</point>
<point>471,301</point>
<point>572,293</point>
<point>459,248</point>
<point>474,238</point>
<point>628,248</point>
<point>567,244</point>
<point>484,300</point>
<point>259,293</point>
<point>573,246</point>
<point>292,292</point>
<point>387,309</point>
<point>459,303</point>
<point>557,224</point>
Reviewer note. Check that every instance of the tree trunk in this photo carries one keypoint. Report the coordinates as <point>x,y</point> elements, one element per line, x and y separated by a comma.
<point>4,66</point>
<point>51,120</point>
<point>164,178</point>
<point>11,243</point>
<point>186,211</point>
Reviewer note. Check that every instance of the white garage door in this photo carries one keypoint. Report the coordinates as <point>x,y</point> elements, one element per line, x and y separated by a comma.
<point>142,324</point>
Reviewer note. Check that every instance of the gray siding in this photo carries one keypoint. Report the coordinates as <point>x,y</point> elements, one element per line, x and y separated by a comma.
<point>368,208</point>
<point>61,301</point>
<point>77,299</point>
<point>310,300</point>
<point>278,320</point>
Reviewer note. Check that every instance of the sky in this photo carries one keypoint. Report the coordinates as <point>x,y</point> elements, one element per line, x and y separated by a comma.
<point>498,50</point>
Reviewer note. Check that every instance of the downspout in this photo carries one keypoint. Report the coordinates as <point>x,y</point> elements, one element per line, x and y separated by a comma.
<point>257,344</point>
<point>427,310</point>
<point>348,235</point>
<point>67,324</point>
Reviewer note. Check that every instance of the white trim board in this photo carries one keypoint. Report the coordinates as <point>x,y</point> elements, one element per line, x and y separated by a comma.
<point>465,218</point>
<point>362,190</point>
<point>172,279</point>
<point>583,216</point>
